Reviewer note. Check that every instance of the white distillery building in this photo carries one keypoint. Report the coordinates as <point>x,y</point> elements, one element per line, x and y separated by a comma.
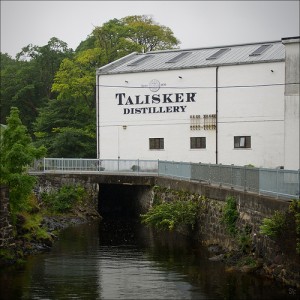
<point>236,104</point>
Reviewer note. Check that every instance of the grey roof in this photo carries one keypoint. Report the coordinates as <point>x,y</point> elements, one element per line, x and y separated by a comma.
<point>196,58</point>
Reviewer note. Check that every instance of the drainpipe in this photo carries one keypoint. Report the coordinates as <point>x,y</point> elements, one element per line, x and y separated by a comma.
<point>217,77</point>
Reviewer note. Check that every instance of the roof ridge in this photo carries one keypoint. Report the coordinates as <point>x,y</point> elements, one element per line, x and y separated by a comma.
<point>212,47</point>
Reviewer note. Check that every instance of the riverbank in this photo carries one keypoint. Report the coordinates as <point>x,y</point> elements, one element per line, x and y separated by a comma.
<point>36,231</point>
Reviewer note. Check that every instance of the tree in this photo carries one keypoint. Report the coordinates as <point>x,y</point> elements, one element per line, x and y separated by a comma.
<point>67,128</point>
<point>118,38</point>
<point>27,80</point>
<point>143,31</point>
<point>76,77</point>
<point>17,154</point>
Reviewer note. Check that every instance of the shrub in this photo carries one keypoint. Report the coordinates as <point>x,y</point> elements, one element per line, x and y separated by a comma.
<point>171,215</point>
<point>295,210</point>
<point>230,215</point>
<point>273,226</point>
<point>63,199</point>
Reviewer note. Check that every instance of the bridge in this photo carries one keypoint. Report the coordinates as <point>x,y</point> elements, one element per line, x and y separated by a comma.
<point>276,183</point>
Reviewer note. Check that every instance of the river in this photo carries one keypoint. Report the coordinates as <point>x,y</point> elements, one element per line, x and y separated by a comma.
<point>125,260</point>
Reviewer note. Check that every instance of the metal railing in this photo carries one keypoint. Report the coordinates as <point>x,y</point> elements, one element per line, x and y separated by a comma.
<point>273,182</point>
<point>81,165</point>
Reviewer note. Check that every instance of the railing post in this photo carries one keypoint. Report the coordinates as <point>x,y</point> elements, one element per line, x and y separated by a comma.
<point>158,167</point>
<point>44,164</point>
<point>231,176</point>
<point>62,164</point>
<point>138,168</point>
<point>245,179</point>
<point>277,182</point>
<point>299,183</point>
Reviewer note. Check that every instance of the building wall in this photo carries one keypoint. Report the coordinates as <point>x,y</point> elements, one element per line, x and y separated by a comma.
<point>245,108</point>
<point>252,105</point>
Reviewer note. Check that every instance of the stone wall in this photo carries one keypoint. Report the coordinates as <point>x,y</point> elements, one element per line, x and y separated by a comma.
<point>6,229</point>
<point>279,256</point>
<point>47,183</point>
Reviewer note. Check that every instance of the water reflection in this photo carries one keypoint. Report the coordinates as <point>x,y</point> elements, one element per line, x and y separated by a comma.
<point>123,260</point>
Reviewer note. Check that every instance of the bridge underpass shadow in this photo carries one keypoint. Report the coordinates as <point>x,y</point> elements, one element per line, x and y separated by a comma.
<point>123,201</point>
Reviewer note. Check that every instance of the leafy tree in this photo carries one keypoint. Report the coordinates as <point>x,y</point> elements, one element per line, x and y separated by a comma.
<point>150,36</point>
<point>27,80</point>
<point>76,78</point>
<point>67,128</point>
<point>17,153</point>
<point>118,38</point>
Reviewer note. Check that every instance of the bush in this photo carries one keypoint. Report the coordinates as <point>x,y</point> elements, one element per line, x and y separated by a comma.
<point>171,215</point>
<point>63,199</point>
<point>230,215</point>
<point>295,210</point>
<point>273,226</point>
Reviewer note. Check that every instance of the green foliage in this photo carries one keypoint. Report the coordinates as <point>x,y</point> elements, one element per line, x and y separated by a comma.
<point>17,154</point>
<point>149,35</point>
<point>26,81</point>
<point>67,129</point>
<point>244,239</point>
<point>273,226</point>
<point>7,254</point>
<point>171,215</point>
<point>33,228</point>
<point>230,215</point>
<point>75,78</point>
<point>295,210</point>
<point>64,199</point>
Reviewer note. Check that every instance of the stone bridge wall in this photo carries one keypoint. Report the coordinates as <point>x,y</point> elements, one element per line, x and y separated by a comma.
<point>252,208</point>
<point>279,256</point>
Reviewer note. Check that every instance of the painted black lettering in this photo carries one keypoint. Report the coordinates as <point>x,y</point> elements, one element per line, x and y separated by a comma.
<point>119,97</point>
<point>179,97</point>
<point>155,98</point>
<point>129,101</point>
<point>137,100</point>
<point>191,97</point>
<point>147,99</point>
<point>169,109</point>
<point>182,108</point>
<point>167,98</point>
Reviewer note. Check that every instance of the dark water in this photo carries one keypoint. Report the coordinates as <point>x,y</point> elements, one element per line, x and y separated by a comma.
<point>124,260</point>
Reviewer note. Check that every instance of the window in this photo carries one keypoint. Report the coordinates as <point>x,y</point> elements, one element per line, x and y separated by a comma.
<point>139,61</point>
<point>260,50</point>
<point>198,142</point>
<point>156,143</point>
<point>242,142</point>
<point>178,57</point>
<point>218,53</point>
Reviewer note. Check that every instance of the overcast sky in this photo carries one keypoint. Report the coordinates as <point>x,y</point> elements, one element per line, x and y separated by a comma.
<point>195,23</point>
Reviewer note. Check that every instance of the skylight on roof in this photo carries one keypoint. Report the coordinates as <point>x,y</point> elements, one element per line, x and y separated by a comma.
<point>261,49</point>
<point>178,57</point>
<point>218,53</point>
<point>139,61</point>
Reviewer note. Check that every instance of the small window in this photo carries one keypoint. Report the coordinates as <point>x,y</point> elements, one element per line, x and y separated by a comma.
<point>139,61</point>
<point>178,57</point>
<point>260,50</point>
<point>198,142</point>
<point>219,53</point>
<point>156,143</point>
<point>242,142</point>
